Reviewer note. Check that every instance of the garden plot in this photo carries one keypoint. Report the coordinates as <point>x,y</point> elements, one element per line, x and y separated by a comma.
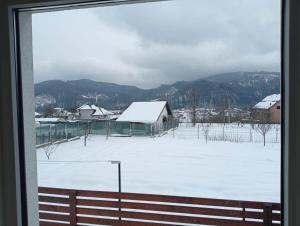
<point>177,163</point>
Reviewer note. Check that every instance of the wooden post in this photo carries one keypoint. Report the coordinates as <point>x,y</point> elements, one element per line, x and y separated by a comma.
<point>268,214</point>
<point>152,133</point>
<point>50,134</point>
<point>78,128</point>
<point>73,211</point>
<point>66,133</point>
<point>108,125</point>
<point>173,128</point>
<point>120,189</point>
<point>130,132</point>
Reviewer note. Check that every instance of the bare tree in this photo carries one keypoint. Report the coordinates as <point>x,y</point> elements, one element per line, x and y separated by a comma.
<point>49,149</point>
<point>49,111</point>
<point>205,130</point>
<point>264,125</point>
<point>87,132</point>
<point>108,129</point>
<point>193,102</point>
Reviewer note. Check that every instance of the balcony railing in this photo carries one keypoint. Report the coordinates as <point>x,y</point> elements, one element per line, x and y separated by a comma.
<point>61,207</point>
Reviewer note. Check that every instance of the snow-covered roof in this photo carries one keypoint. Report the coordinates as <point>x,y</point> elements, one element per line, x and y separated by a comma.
<point>144,112</point>
<point>101,111</point>
<point>268,102</point>
<point>84,107</point>
<point>37,114</point>
<point>94,107</point>
<point>49,120</point>
<point>98,111</point>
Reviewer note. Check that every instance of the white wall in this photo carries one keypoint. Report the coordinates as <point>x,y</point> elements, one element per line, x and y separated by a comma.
<point>159,123</point>
<point>86,114</point>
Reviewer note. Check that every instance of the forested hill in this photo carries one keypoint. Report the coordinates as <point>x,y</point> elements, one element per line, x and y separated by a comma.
<point>241,88</point>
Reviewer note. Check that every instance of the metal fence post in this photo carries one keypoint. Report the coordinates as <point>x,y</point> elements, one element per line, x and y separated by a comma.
<point>73,211</point>
<point>268,214</point>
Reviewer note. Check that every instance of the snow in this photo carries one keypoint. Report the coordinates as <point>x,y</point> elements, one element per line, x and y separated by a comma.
<point>144,112</point>
<point>84,107</point>
<point>100,111</point>
<point>45,120</point>
<point>273,97</point>
<point>180,165</point>
<point>268,102</point>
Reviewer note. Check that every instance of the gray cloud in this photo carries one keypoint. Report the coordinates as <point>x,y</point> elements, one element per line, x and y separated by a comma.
<point>153,43</point>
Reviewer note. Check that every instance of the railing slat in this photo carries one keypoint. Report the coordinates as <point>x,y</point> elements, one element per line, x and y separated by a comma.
<point>44,223</point>
<point>101,221</point>
<point>161,217</point>
<point>172,208</point>
<point>53,216</point>
<point>172,199</point>
<point>52,199</point>
<point>53,208</point>
<point>56,191</point>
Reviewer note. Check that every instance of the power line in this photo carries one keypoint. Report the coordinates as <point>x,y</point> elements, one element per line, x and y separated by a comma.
<point>80,161</point>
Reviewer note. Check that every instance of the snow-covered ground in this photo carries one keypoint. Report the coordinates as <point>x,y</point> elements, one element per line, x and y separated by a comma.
<point>174,164</point>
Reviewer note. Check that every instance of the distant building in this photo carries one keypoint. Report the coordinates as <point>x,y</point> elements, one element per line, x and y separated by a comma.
<point>37,115</point>
<point>62,113</point>
<point>90,112</point>
<point>154,113</point>
<point>268,110</point>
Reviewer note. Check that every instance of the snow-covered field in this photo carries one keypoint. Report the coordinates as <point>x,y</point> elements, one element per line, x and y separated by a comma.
<point>174,164</point>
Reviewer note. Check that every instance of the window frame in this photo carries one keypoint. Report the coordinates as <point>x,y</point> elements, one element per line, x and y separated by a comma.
<point>18,199</point>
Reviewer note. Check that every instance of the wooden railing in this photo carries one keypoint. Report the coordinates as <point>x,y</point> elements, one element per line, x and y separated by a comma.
<point>61,207</point>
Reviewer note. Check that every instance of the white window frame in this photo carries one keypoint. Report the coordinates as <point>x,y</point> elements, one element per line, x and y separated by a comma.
<point>18,182</point>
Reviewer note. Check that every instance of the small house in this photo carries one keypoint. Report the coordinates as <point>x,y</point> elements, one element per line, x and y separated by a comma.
<point>268,110</point>
<point>155,115</point>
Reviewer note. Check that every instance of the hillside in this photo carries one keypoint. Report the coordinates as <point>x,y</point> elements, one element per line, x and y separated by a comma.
<point>241,88</point>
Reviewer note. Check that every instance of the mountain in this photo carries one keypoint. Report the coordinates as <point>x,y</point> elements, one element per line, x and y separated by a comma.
<point>239,88</point>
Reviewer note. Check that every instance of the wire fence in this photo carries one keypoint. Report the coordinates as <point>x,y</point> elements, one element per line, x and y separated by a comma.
<point>54,132</point>
<point>232,132</point>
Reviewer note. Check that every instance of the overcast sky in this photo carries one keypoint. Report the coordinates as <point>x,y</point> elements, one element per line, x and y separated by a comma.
<point>156,43</point>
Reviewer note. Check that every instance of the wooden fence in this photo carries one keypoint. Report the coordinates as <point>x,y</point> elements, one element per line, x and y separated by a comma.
<point>61,207</point>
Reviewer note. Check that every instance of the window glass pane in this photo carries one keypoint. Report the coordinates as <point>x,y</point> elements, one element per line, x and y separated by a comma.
<point>176,98</point>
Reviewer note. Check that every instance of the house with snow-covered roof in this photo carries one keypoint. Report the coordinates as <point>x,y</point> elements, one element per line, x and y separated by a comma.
<point>269,109</point>
<point>90,112</point>
<point>62,113</point>
<point>152,114</point>
<point>101,113</point>
<point>37,115</point>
